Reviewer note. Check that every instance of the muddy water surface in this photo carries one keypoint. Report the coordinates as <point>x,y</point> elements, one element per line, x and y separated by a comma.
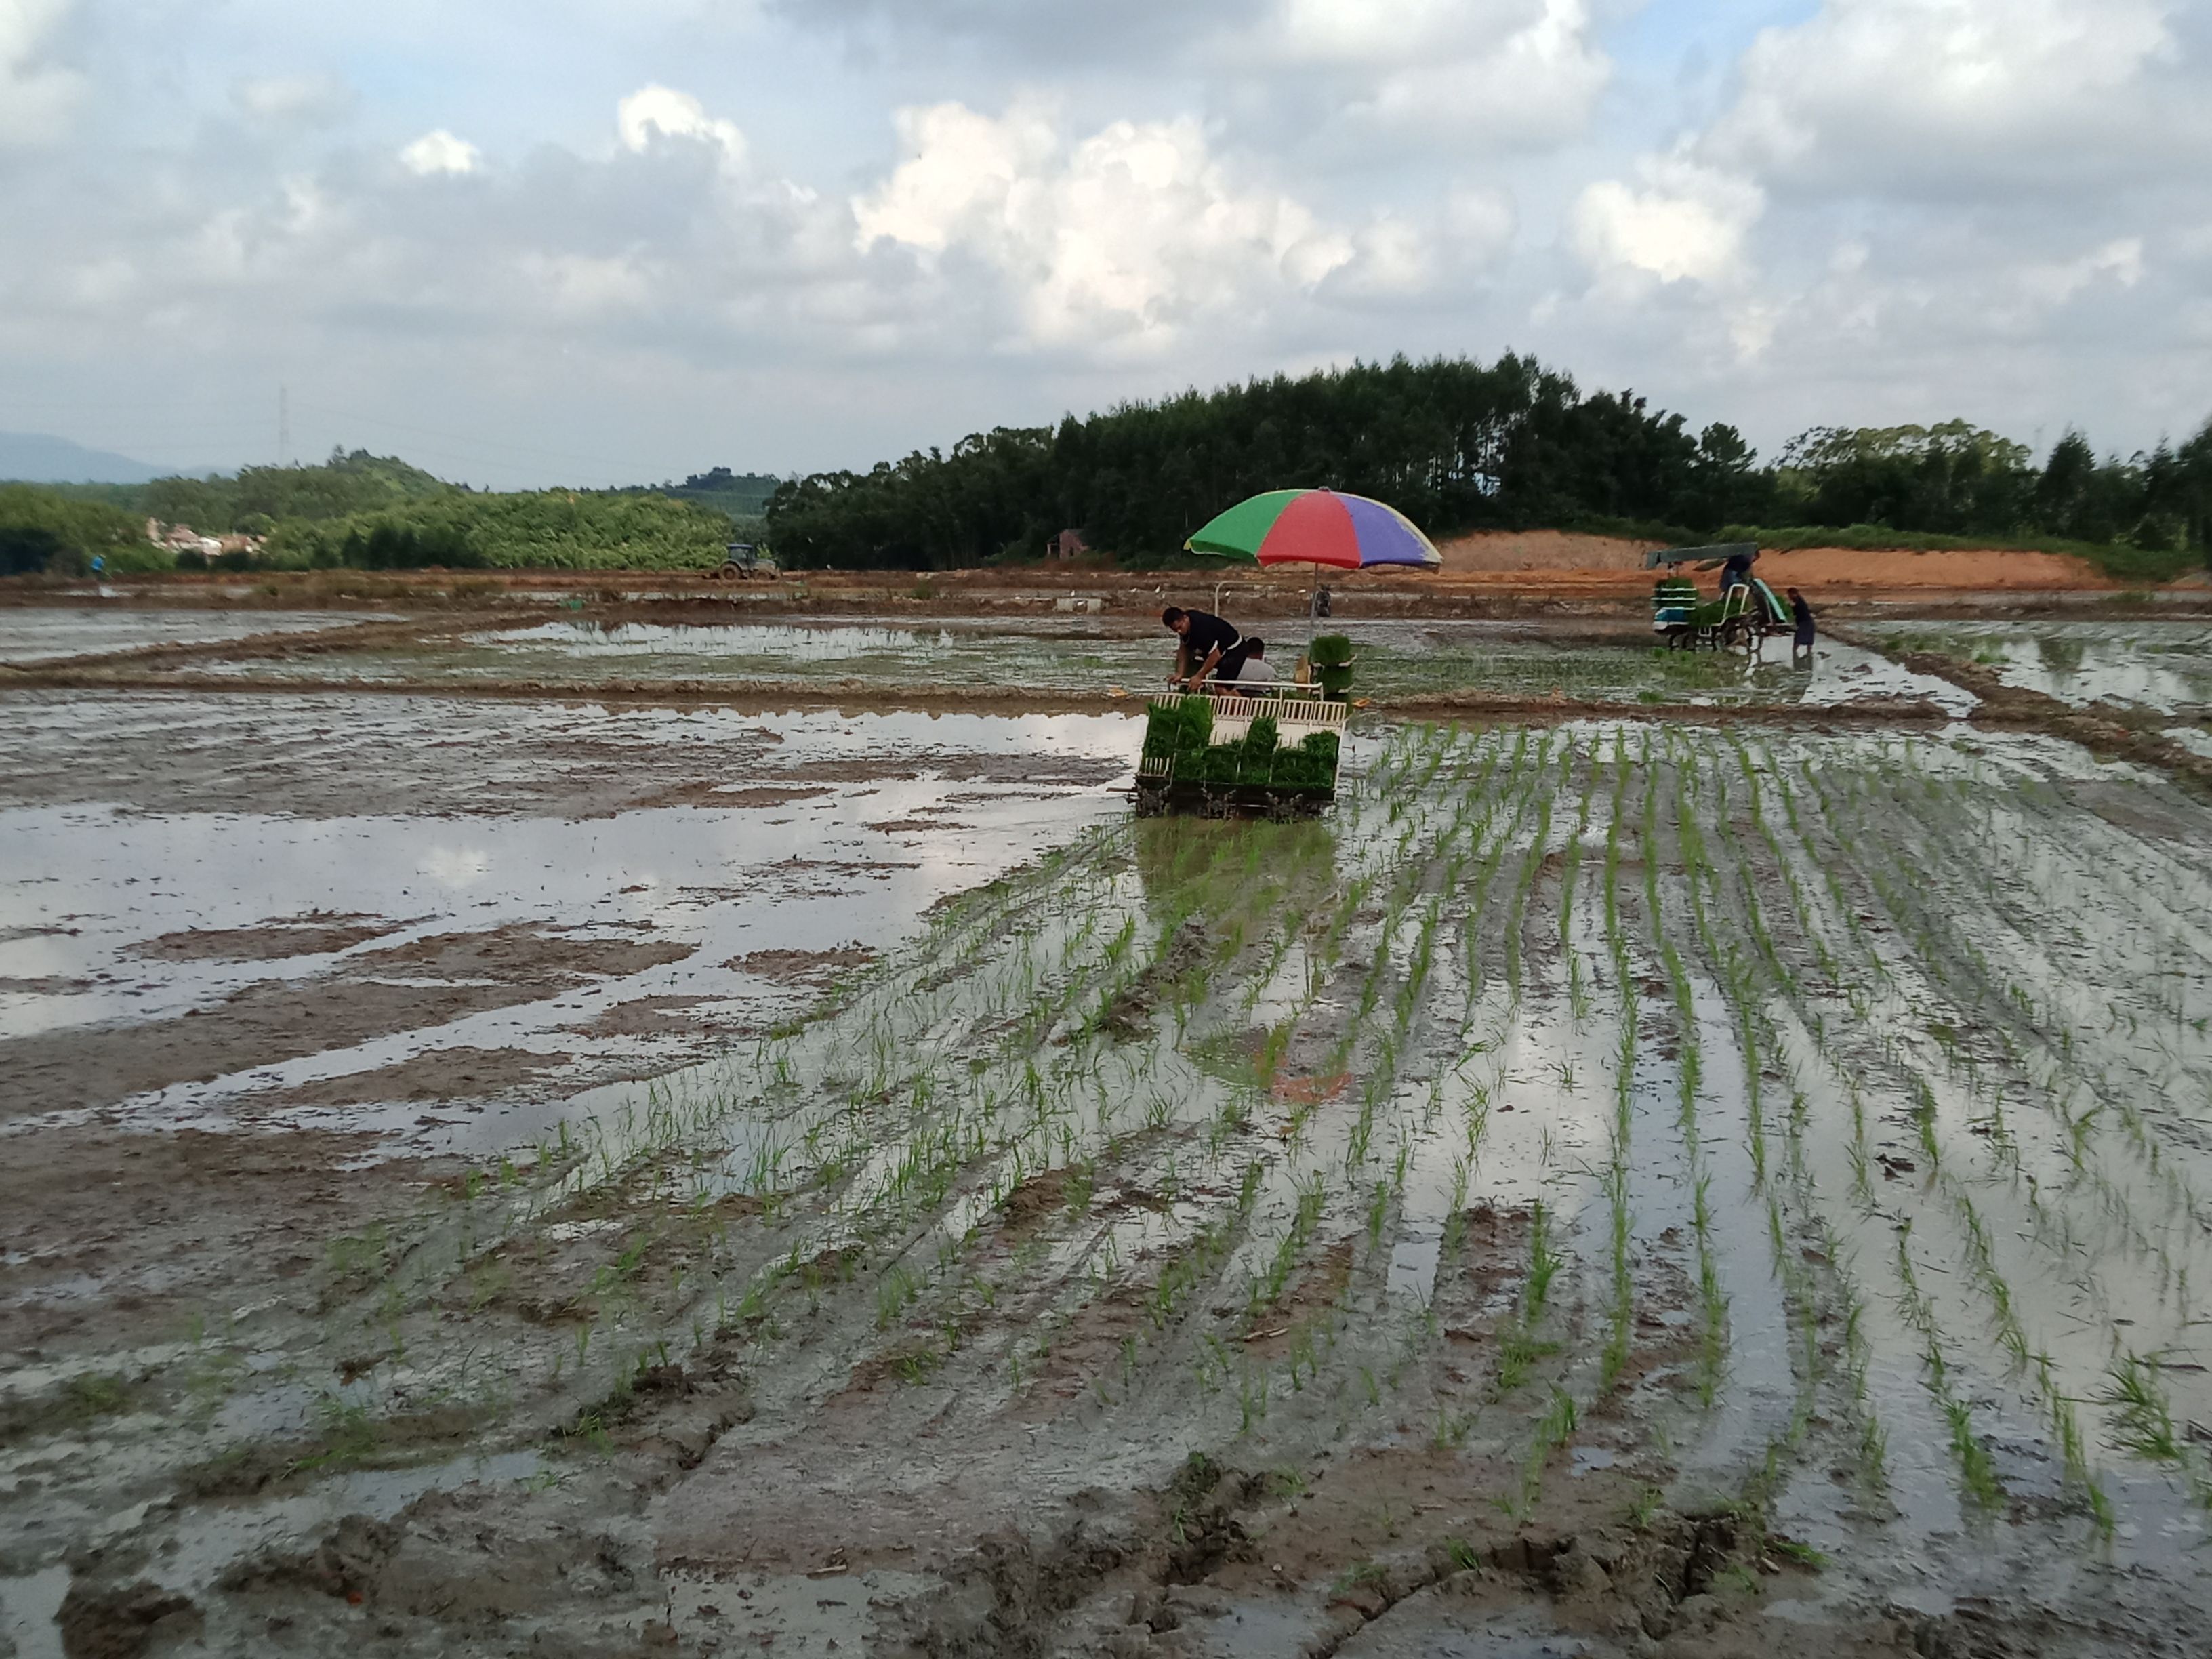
<point>1408,659</point>
<point>358,968</point>
<point>31,634</point>
<point>535,1177</point>
<point>2165,667</point>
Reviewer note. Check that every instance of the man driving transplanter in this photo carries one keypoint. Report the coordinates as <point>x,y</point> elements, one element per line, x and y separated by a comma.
<point>1209,646</point>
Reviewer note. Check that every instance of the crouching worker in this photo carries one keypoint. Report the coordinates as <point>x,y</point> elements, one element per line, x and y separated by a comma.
<point>1209,646</point>
<point>1257,673</point>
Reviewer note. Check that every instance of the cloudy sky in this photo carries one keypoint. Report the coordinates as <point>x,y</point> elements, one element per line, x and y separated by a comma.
<point>574,240</point>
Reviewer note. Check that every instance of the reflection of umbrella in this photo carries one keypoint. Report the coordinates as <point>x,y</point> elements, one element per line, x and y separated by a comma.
<point>1317,527</point>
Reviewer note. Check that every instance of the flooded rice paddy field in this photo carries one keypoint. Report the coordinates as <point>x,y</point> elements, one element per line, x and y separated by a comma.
<point>1396,660</point>
<point>2163,667</point>
<point>40,633</point>
<point>285,910</point>
<point>535,1176</point>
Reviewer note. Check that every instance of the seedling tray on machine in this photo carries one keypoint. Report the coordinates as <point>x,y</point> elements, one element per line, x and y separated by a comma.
<point>1233,755</point>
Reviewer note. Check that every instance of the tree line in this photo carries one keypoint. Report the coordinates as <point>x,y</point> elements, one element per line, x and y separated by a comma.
<point>1459,446</point>
<point>1455,444</point>
<point>360,511</point>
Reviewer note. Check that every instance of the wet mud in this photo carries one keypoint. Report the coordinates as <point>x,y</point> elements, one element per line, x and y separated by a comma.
<point>1413,665</point>
<point>824,1183</point>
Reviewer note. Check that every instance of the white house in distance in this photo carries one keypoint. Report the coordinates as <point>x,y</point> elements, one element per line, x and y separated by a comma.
<point>184,541</point>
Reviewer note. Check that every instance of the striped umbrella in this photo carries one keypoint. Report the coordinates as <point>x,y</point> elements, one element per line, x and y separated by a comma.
<point>1317,527</point>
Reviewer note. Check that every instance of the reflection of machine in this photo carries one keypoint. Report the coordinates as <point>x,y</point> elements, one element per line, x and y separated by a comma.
<point>1744,613</point>
<point>1221,756</point>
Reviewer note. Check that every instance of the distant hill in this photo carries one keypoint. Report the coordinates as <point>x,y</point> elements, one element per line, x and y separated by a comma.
<point>41,458</point>
<point>743,495</point>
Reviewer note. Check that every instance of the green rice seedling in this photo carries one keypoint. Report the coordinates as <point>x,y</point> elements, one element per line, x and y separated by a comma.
<point>1517,1353</point>
<point>1251,1398</point>
<point>1267,1287</point>
<point>1874,1451</point>
<point>1544,1263</point>
<point>1976,1469</point>
<point>1790,1549</point>
<point>2142,1421</point>
<point>1569,864</point>
<point>1553,1430</point>
<point>895,1293</point>
<point>1303,1357</point>
<point>1517,909</point>
<point>1452,1428</point>
<point>1621,1313</point>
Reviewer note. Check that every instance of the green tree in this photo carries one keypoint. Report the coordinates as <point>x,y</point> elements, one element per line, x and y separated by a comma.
<point>45,530</point>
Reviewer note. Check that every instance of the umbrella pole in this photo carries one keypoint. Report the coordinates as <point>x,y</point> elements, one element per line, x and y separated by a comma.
<point>1313,619</point>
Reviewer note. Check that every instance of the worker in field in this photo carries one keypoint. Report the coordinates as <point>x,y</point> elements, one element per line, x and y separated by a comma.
<point>1257,672</point>
<point>1800,643</point>
<point>1209,645</point>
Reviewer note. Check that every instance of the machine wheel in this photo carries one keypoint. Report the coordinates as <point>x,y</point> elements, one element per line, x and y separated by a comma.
<point>1150,803</point>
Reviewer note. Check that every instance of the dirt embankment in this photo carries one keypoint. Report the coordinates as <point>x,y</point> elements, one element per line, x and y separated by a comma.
<point>1588,560</point>
<point>1485,574</point>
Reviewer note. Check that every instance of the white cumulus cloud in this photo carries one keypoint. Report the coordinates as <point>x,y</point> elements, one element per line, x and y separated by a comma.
<point>1687,222</point>
<point>658,111</point>
<point>1944,95</point>
<point>962,172</point>
<point>440,152</point>
<point>1123,239</point>
<point>37,95</point>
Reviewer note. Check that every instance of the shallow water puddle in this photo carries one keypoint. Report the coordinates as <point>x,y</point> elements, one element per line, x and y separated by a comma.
<point>2163,666</point>
<point>601,938</point>
<point>33,634</point>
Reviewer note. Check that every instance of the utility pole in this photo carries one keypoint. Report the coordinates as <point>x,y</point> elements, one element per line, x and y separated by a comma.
<point>283,425</point>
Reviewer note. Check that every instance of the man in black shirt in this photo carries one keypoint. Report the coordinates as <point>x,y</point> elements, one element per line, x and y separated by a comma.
<point>1210,645</point>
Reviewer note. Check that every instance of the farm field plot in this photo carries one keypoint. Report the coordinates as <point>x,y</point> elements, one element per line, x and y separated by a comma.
<point>1651,1187</point>
<point>31,634</point>
<point>356,913</point>
<point>2163,667</point>
<point>1397,661</point>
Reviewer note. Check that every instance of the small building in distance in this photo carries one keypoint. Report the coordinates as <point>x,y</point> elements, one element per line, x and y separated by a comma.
<point>1066,545</point>
<point>187,543</point>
